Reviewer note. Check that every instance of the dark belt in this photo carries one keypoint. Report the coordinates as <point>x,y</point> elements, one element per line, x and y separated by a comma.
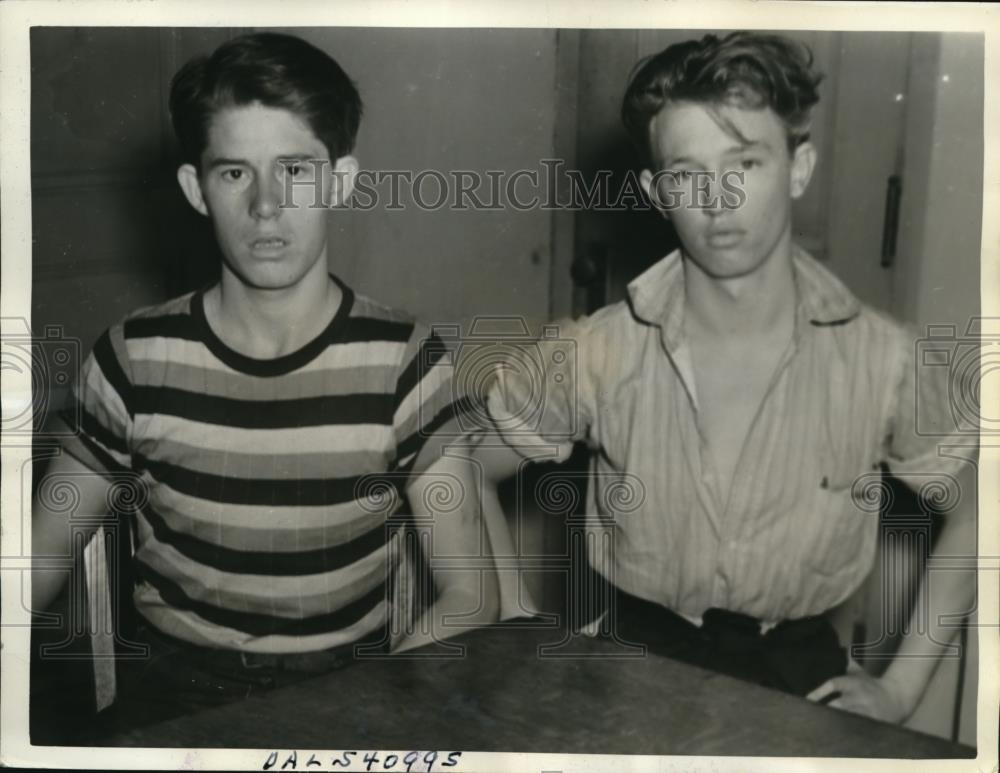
<point>259,668</point>
<point>794,656</point>
<point>178,678</point>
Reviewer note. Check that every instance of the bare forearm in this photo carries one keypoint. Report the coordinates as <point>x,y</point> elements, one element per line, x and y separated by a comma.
<point>439,622</point>
<point>943,592</point>
<point>459,553</point>
<point>51,558</point>
<point>51,540</point>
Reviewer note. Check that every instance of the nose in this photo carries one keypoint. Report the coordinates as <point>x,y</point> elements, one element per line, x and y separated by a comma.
<point>264,198</point>
<point>709,195</point>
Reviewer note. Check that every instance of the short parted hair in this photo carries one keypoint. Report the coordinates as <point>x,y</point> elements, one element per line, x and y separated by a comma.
<point>278,71</point>
<point>743,69</point>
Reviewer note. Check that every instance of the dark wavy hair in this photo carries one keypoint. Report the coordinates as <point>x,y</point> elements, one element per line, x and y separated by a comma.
<point>744,69</point>
<point>279,71</point>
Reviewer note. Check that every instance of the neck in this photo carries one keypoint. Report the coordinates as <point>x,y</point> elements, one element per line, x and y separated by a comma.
<point>757,303</point>
<point>265,323</point>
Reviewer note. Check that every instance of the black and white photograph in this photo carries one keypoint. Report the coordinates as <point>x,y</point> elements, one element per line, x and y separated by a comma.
<point>411,388</point>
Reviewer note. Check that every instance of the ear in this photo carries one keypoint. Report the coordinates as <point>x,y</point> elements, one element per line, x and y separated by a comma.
<point>803,163</point>
<point>343,174</point>
<point>187,176</point>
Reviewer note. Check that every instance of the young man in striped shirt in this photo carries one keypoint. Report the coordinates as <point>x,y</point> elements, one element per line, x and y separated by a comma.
<point>274,424</point>
<point>745,397</point>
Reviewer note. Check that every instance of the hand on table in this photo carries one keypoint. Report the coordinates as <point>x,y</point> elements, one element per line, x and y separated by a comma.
<point>861,693</point>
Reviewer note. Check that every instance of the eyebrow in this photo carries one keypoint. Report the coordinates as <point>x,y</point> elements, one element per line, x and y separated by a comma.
<point>298,157</point>
<point>751,145</point>
<point>217,162</point>
<point>743,147</point>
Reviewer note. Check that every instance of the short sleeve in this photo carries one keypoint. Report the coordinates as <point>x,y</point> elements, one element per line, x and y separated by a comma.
<point>98,415</point>
<point>934,428</point>
<point>426,403</point>
<point>543,394</point>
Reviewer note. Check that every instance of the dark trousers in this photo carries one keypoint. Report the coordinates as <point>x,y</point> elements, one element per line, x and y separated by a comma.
<point>795,656</point>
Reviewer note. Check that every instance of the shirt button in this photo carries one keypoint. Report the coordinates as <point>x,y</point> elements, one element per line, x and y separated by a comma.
<point>720,582</point>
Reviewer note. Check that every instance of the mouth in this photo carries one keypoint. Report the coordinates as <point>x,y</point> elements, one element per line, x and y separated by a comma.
<point>268,244</point>
<point>725,238</point>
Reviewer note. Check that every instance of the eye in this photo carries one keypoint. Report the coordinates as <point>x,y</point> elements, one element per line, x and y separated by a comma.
<point>293,168</point>
<point>233,175</point>
<point>749,163</point>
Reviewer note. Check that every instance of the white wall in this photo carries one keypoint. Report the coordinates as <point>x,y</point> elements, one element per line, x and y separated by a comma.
<point>447,101</point>
<point>937,280</point>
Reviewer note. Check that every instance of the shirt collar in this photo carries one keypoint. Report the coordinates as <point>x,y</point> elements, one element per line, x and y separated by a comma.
<point>657,295</point>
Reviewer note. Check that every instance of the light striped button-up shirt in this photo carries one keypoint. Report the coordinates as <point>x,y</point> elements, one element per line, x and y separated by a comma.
<point>799,532</point>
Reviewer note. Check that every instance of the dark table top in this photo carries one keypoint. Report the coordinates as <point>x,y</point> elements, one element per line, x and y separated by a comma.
<point>511,692</point>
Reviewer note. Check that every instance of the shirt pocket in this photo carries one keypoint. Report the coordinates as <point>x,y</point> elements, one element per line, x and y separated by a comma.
<point>842,527</point>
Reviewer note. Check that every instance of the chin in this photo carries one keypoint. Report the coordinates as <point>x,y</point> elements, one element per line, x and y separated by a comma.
<point>726,269</point>
<point>731,263</point>
<point>262,278</point>
<point>734,272</point>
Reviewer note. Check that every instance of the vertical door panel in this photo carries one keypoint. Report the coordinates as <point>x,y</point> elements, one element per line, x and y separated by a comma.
<point>867,151</point>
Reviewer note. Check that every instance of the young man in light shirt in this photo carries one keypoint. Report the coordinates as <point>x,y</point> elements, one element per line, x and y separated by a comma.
<point>744,393</point>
